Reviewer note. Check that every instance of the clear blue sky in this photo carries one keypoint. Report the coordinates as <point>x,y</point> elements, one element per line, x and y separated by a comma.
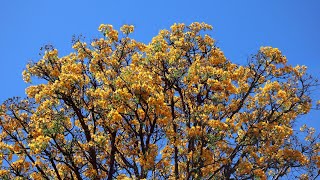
<point>240,28</point>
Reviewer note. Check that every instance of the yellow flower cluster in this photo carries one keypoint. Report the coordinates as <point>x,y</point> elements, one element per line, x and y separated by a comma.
<point>274,54</point>
<point>127,29</point>
<point>38,144</point>
<point>109,32</point>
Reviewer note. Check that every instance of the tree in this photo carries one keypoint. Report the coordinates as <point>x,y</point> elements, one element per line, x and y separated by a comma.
<point>176,108</point>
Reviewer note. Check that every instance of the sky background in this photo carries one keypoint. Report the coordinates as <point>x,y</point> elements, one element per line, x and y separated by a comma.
<point>240,28</point>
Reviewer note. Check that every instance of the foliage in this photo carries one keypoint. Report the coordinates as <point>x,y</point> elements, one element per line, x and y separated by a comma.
<point>176,108</point>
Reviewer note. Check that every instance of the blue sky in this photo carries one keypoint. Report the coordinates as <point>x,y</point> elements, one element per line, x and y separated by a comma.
<point>240,28</point>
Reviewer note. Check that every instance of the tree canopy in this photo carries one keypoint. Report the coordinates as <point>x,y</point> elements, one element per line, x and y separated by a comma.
<point>175,108</point>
